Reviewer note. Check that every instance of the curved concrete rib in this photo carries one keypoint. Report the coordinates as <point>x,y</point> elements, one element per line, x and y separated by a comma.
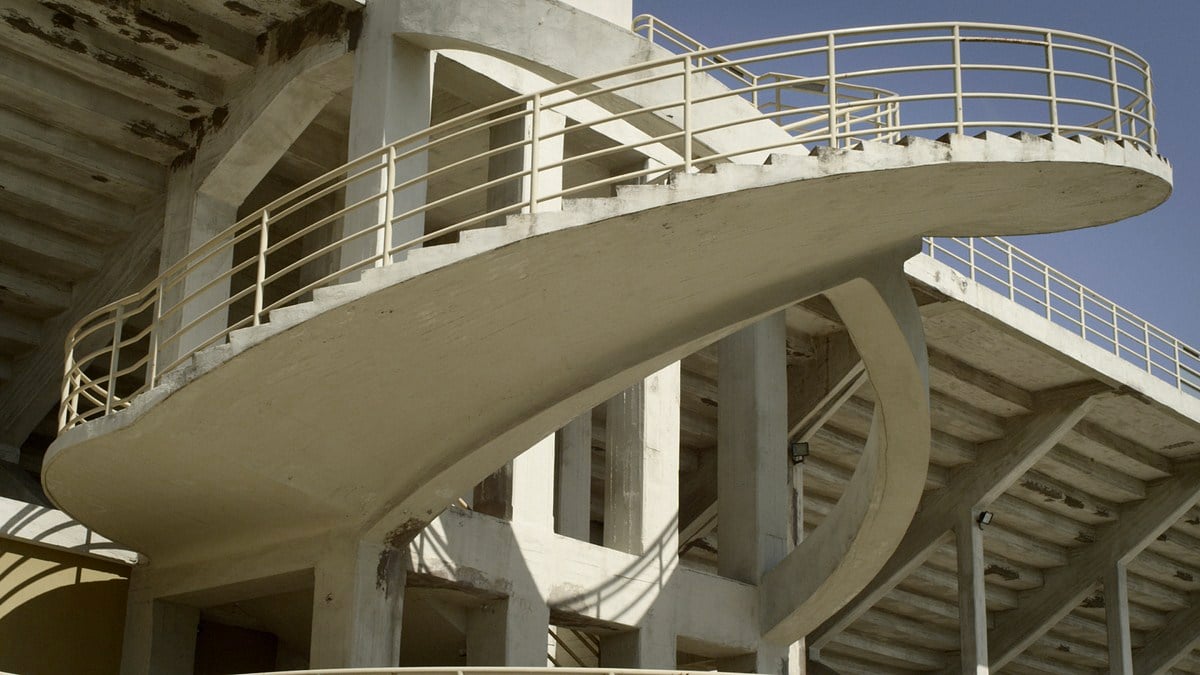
<point>443,367</point>
<point>855,541</point>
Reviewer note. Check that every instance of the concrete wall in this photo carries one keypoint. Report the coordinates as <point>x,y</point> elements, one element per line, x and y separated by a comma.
<point>59,612</point>
<point>619,12</point>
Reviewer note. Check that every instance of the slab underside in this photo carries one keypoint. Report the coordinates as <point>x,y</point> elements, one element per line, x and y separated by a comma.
<point>383,410</point>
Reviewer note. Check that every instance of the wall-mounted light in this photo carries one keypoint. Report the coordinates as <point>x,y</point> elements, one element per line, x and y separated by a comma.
<point>985,518</point>
<point>798,450</point>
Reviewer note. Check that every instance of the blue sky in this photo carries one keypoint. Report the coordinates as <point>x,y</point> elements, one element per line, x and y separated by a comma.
<point>1147,264</point>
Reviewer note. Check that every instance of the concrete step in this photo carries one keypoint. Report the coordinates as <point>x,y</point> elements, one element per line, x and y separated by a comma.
<point>488,237</point>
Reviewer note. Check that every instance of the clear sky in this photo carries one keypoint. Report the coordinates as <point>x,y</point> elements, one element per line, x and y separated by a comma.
<point>1147,264</point>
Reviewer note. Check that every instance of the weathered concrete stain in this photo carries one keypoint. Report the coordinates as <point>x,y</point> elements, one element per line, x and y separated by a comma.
<point>56,39</point>
<point>239,8</point>
<point>65,15</point>
<point>1002,572</point>
<point>326,22</point>
<point>1085,538</point>
<point>1094,602</point>
<point>404,534</point>
<point>148,130</point>
<point>178,31</point>
<point>1184,576</point>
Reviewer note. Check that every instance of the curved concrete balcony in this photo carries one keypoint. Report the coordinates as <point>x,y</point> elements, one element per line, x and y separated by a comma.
<point>473,288</point>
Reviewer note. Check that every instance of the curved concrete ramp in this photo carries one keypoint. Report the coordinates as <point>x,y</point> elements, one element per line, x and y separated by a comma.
<point>441,368</point>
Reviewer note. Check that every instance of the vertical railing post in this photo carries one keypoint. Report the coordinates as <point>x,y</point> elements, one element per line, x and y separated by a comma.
<point>959,124</point>
<point>260,276</point>
<point>1116,91</point>
<point>1052,86</point>
<point>535,130</point>
<point>687,114</point>
<point>971,256</point>
<point>1046,290</point>
<point>831,87</point>
<point>69,400</point>
<point>114,360</point>
<point>1146,336</point>
<point>1153,130</point>
<point>1012,284</point>
<point>155,330</point>
<point>1082,313</point>
<point>389,205</point>
<point>1178,367</point>
<point>1116,332</point>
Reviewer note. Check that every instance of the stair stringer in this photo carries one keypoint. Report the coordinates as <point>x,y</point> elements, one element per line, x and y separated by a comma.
<point>407,387</point>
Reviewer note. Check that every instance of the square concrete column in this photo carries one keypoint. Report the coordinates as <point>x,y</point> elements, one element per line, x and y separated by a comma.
<point>358,602</point>
<point>533,486</point>
<point>641,508</point>
<point>753,507</point>
<point>160,638</point>
<point>641,497</point>
<point>392,98</point>
<point>508,632</point>
<point>515,162</point>
<point>573,479</point>
<point>972,600</point>
<point>652,645</point>
<point>1116,611</point>
<point>193,218</point>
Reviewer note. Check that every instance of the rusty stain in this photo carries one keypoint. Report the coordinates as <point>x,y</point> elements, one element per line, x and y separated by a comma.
<point>69,15</point>
<point>219,116</point>
<point>26,26</point>
<point>147,129</point>
<point>239,8</point>
<point>1002,572</point>
<point>178,31</point>
<point>405,533</point>
<point>325,22</point>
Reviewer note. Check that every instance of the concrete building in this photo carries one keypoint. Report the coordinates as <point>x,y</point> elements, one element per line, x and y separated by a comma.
<point>448,334</point>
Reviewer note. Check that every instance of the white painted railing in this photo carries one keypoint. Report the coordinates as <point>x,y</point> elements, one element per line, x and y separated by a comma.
<point>432,185</point>
<point>1034,285</point>
<point>494,671</point>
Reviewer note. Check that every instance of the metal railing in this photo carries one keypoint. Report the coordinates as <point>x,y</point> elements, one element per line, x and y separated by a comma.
<point>507,158</point>
<point>512,670</point>
<point>997,264</point>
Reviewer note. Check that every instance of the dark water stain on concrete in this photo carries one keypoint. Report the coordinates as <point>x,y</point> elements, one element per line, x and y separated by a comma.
<point>239,8</point>
<point>24,25</point>
<point>177,31</point>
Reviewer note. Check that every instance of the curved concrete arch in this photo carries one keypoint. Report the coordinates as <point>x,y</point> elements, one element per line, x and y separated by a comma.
<point>862,532</point>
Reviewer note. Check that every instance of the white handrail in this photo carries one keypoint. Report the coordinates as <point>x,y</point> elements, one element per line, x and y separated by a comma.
<point>365,214</point>
<point>999,265</point>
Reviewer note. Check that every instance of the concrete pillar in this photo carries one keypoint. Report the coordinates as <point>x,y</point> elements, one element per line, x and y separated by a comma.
<point>753,509</point>
<point>513,163</point>
<point>533,486</point>
<point>358,602</point>
<point>651,645</point>
<point>160,638</point>
<point>192,219</point>
<point>972,601</point>
<point>1116,612</point>
<point>508,632</point>
<point>641,497</point>
<point>573,479</point>
<point>392,98</point>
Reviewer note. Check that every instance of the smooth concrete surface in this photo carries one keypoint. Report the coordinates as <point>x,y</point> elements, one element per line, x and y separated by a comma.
<point>717,257</point>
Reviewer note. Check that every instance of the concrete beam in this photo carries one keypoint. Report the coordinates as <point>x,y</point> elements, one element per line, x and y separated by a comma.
<point>1116,613</point>
<point>818,387</point>
<point>981,381</point>
<point>18,329</point>
<point>358,601</point>
<point>35,386</point>
<point>1065,587</point>
<point>1001,463</point>
<point>42,247</point>
<point>104,218</point>
<point>1172,643</point>
<point>30,295</point>
<point>972,600</point>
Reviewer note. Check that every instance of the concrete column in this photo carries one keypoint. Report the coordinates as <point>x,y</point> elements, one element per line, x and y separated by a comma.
<point>533,486</point>
<point>508,632</point>
<point>573,479</point>
<point>1116,611</point>
<point>641,497</point>
<point>518,160</point>
<point>160,638</point>
<point>392,98</point>
<point>358,602</point>
<point>652,645</point>
<point>972,601</point>
<point>192,219</point>
<point>753,509</point>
